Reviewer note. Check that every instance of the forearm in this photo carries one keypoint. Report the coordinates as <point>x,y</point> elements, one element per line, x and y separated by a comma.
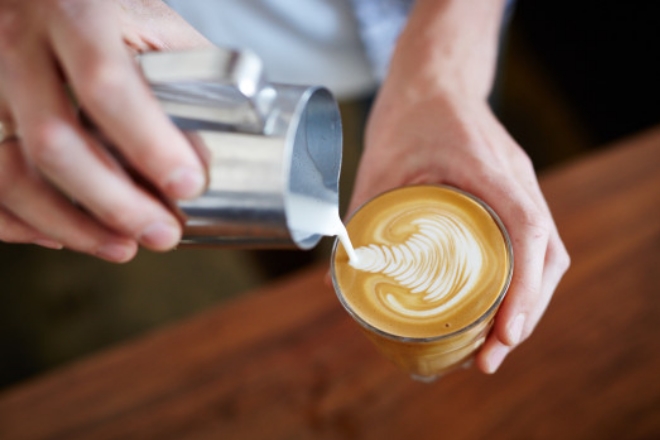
<point>448,46</point>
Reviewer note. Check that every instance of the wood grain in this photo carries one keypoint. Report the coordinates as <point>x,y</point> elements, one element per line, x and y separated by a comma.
<point>286,362</point>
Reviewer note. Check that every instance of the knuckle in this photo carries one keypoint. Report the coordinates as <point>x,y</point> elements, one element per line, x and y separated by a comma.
<point>524,160</point>
<point>104,80</point>
<point>486,170</point>
<point>535,221</point>
<point>46,145</point>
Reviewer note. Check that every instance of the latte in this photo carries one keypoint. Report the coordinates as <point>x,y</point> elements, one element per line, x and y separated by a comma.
<point>430,268</point>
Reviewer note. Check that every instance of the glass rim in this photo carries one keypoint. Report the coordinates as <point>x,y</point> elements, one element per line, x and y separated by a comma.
<point>457,332</point>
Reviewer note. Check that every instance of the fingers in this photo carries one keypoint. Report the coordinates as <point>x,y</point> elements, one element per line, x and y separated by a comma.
<point>494,350</point>
<point>77,165</point>
<point>540,261</point>
<point>87,45</point>
<point>524,303</point>
<point>529,234</point>
<point>14,230</point>
<point>51,221</point>
<point>110,89</point>
<point>73,161</point>
<point>491,355</point>
<point>540,258</point>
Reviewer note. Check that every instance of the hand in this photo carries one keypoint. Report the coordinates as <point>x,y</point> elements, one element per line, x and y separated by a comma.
<point>58,186</point>
<point>439,137</point>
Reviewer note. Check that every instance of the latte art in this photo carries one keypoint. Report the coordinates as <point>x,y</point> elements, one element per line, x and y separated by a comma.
<point>441,262</point>
<point>429,260</point>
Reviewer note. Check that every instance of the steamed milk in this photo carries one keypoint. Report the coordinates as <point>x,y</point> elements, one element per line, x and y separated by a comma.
<point>439,264</point>
<point>429,262</point>
<point>317,216</point>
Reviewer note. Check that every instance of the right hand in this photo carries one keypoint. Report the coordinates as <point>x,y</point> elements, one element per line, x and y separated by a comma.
<point>58,186</point>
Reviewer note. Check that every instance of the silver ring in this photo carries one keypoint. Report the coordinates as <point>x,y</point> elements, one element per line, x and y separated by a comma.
<point>7,132</point>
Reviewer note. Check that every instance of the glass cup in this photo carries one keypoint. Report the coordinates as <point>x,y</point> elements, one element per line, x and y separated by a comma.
<point>428,349</point>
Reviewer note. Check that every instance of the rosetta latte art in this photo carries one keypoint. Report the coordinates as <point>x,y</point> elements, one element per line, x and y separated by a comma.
<point>441,262</point>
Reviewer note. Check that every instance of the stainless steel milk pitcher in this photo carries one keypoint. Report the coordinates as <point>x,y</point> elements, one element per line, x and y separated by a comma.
<point>265,145</point>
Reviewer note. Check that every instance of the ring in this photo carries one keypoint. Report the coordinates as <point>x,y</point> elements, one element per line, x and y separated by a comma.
<point>7,131</point>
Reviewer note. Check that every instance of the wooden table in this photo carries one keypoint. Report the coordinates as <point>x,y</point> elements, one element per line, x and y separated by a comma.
<point>286,362</point>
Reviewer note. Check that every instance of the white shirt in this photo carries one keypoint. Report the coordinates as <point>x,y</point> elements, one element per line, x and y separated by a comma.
<point>314,42</point>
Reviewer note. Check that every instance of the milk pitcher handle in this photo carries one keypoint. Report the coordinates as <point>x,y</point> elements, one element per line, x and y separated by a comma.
<point>220,86</point>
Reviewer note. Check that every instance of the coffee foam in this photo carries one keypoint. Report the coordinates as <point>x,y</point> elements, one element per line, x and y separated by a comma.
<point>441,261</point>
<point>430,261</point>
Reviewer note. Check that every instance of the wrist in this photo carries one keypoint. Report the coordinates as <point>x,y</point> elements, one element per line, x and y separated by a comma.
<point>448,47</point>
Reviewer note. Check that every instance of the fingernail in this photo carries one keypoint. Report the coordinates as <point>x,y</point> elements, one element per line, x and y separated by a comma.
<point>515,329</point>
<point>185,183</point>
<point>48,243</point>
<point>118,253</point>
<point>160,235</point>
<point>495,358</point>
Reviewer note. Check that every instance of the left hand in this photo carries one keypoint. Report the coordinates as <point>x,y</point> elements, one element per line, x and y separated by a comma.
<point>418,138</point>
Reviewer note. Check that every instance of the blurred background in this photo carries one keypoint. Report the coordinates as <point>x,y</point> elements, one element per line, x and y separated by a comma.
<point>573,76</point>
